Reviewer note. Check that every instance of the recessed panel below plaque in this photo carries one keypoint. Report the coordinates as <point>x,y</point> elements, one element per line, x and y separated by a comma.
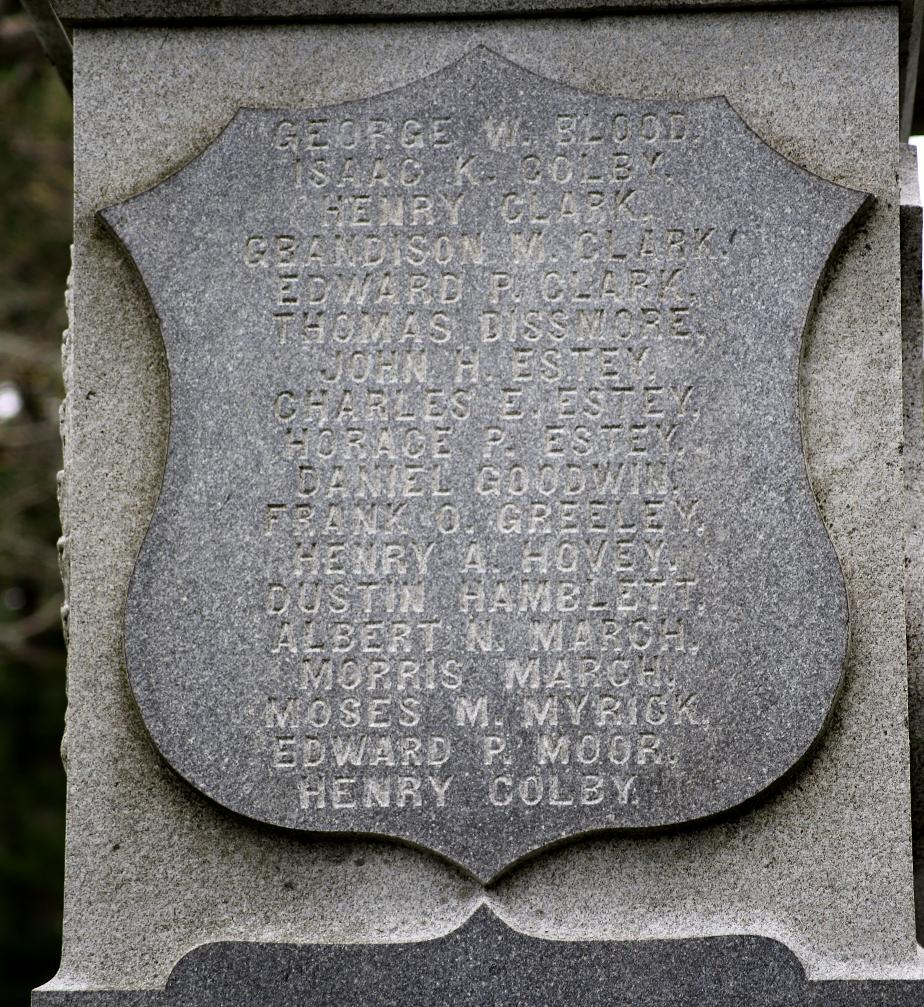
<point>485,520</point>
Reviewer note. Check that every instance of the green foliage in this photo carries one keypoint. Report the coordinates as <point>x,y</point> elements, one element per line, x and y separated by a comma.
<point>35,220</point>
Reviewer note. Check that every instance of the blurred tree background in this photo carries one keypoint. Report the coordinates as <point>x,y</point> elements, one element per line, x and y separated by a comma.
<point>35,223</point>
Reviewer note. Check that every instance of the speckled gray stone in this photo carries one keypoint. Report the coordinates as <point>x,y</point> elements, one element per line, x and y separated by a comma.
<point>823,864</point>
<point>486,964</point>
<point>485,520</point>
<point>45,15</point>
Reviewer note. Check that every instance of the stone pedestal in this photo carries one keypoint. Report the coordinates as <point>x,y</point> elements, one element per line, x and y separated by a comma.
<point>807,887</point>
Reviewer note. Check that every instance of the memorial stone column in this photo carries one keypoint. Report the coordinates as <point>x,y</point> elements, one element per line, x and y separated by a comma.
<point>484,511</point>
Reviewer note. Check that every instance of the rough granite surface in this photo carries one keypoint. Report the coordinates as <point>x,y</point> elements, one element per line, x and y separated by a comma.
<point>486,963</point>
<point>56,39</point>
<point>824,864</point>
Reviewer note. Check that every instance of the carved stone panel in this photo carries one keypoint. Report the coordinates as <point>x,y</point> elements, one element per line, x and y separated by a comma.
<point>485,520</point>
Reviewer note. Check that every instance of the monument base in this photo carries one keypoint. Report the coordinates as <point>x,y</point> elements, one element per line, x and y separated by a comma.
<point>485,963</point>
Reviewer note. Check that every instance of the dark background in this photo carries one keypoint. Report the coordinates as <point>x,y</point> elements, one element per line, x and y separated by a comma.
<point>35,232</point>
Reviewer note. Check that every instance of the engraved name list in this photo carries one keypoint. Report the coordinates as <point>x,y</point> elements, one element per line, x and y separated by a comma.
<point>483,529</point>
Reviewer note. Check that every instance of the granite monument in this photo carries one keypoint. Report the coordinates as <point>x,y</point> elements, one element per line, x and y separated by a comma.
<point>483,507</point>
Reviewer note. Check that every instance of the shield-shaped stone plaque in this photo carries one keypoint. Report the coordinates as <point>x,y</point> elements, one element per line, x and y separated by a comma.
<point>485,520</point>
